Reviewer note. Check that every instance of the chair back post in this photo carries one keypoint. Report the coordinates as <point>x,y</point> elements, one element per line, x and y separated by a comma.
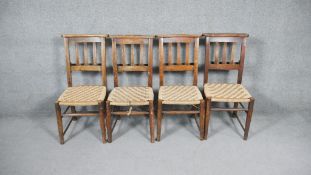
<point>68,64</point>
<point>170,66</point>
<point>161,62</point>
<point>103,61</point>
<point>195,61</point>
<point>115,63</point>
<point>242,58</point>
<point>82,42</point>
<point>150,61</point>
<point>132,40</point>
<point>207,59</point>
<point>224,44</point>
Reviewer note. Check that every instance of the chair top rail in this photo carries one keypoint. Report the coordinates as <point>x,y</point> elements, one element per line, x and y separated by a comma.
<point>83,35</point>
<point>243,35</point>
<point>132,36</point>
<point>178,35</point>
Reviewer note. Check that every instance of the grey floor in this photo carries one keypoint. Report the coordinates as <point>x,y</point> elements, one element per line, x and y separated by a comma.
<point>278,144</point>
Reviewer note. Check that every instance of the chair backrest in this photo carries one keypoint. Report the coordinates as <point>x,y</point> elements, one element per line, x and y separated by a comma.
<point>225,51</point>
<point>135,43</point>
<point>170,41</point>
<point>89,54</point>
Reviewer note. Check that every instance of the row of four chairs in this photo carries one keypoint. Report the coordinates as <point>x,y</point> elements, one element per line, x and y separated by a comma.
<point>134,53</point>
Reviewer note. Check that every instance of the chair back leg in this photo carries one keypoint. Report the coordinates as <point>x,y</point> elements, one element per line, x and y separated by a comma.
<point>73,110</point>
<point>207,116</point>
<point>151,121</point>
<point>202,117</point>
<point>108,121</point>
<point>102,121</point>
<point>59,123</point>
<point>159,120</point>
<point>249,118</point>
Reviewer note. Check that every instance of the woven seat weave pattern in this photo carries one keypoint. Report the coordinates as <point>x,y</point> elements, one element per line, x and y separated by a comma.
<point>82,95</point>
<point>130,96</point>
<point>226,92</point>
<point>180,95</point>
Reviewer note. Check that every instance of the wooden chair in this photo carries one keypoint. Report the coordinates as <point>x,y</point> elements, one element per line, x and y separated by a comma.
<point>86,95</point>
<point>179,94</point>
<point>131,96</point>
<point>225,44</point>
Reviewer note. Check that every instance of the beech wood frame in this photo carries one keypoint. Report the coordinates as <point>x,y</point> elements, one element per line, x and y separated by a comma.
<point>179,66</point>
<point>69,41</point>
<point>221,64</point>
<point>131,40</point>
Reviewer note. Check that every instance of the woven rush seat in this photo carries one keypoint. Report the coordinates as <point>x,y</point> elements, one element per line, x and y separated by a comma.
<point>226,92</point>
<point>128,96</point>
<point>180,95</point>
<point>82,95</point>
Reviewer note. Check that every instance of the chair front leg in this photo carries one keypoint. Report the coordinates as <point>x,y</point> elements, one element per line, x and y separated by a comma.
<point>202,117</point>
<point>108,121</point>
<point>151,121</point>
<point>159,120</point>
<point>59,123</point>
<point>249,117</point>
<point>102,121</point>
<point>207,116</point>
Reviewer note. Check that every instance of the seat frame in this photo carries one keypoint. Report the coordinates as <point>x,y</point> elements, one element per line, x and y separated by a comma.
<point>179,66</point>
<point>76,40</point>
<point>222,64</point>
<point>131,40</point>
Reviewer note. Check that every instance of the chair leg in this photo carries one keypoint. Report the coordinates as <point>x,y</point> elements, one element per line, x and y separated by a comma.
<point>59,123</point>
<point>151,121</point>
<point>73,110</point>
<point>202,117</point>
<point>249,118</point>
<point>207,116</point>
<point>108,121</point>
<point>235,113</point>
<point>159,120</point>
<point>102,121</point>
